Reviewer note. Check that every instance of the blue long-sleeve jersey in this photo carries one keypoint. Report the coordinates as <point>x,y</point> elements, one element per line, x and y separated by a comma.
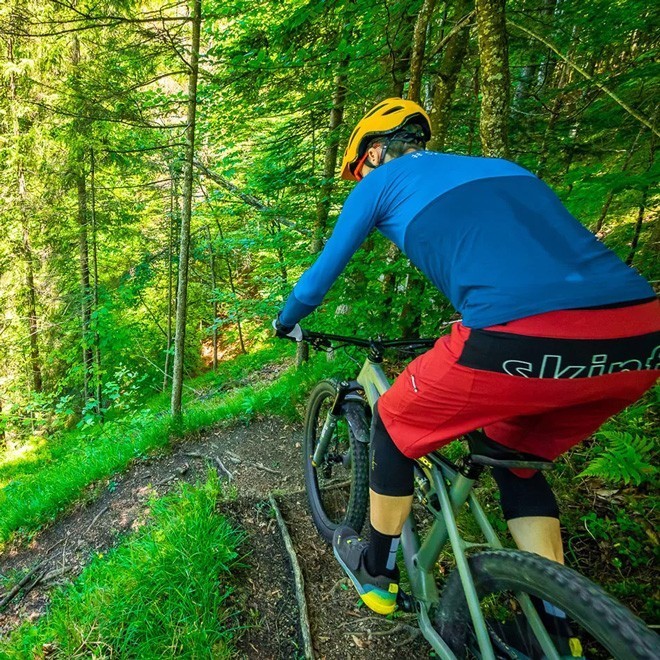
<point>486,232</point>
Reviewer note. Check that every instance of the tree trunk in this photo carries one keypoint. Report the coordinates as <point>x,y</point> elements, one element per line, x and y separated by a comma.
<point>215,301</point>
<point>555,113</point>
<point>171,231</point>
<point>418,49</point>
<point>184,251</point>
<point>445,84</point>
<point>95,292</point>
<point>83,249</point>
<point>411,313</point>
<point>302,353</point>
<point>232,286</point>
<point>399,59</point>
<point>610,195</point>
<point>472,121</point>
<point>494,64</point>
<point>33,327</point>
<point>530,72</point>
<point>85,292</point>
<point>389,282</point>
<point>638,227</point>
<point>643,205</point>
<point>31,292</point>
<point>330,161</point>
<point>3,437</point>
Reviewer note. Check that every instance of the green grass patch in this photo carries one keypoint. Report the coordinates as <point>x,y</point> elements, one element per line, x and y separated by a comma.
<point>31,455</point>
<point>164,592</point>
<point>43,483</point>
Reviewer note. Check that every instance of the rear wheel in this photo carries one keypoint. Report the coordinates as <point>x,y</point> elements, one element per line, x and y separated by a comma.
<point>337,486</point>
<point>596,626</point>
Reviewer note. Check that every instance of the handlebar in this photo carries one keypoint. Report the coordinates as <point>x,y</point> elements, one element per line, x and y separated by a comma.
<point>323,340</point>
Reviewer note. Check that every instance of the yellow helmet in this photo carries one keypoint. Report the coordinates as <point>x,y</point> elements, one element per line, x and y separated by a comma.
<point>386,118</point>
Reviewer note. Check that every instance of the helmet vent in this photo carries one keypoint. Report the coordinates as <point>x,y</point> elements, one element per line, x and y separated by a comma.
<point>391,110</point>
<point>376,109</point>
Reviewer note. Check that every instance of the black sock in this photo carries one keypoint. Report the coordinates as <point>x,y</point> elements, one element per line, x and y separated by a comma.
<point>381,554</point>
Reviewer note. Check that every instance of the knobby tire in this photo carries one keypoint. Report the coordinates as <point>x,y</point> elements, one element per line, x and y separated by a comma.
<point>325,519</point>
<point>608,622</point>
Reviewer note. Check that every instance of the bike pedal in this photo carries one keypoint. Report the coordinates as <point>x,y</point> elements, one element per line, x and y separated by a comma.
<point>405,602</point>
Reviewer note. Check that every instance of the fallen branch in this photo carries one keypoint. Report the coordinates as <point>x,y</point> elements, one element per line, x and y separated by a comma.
<point>192,454</point>
<point>413,633</point>
<point>378,619</point>
<point>299,582</point>
<point>52,547</point>
<point>222,468</point>
<point>266,469</point>
<point>233,457</point>
<point>251,200</point>
<point>55,573</point>
<point>22,584</point>
<point>96,517</point>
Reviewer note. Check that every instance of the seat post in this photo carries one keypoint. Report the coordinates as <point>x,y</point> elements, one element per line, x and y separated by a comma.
<point>468,468</point>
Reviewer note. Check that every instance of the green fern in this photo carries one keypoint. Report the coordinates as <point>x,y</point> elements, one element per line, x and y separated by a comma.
<point>627,460</point>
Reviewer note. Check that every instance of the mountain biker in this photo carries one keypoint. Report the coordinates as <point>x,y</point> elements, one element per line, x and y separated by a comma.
<point>557,334</point>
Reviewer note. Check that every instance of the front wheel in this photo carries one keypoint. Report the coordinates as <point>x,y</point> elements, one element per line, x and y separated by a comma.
<point>596,626</point>
<point>337,486</point>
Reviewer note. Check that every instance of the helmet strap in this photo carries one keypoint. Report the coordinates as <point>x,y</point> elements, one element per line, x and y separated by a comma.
<point>366,161</point>
<point>357,171</point>
<point>383,151</point>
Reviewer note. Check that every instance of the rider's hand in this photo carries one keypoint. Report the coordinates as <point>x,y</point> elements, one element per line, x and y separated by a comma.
<point>294,332</point>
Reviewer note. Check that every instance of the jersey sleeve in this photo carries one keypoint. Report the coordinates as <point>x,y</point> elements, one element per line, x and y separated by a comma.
<point>357,219</point>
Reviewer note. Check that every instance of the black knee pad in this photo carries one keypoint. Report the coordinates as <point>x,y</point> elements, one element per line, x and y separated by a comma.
<point>390,471</point>
<point>521,497</point>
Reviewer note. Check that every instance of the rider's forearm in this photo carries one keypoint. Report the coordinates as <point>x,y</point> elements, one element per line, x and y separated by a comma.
<point>294,310</point>
<point>354,224</point>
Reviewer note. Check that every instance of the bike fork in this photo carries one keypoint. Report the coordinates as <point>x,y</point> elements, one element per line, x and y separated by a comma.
<point>324,440</point>
<point>329,425</point>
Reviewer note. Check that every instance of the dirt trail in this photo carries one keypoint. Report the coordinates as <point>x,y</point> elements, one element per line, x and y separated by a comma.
<point>262,458</point>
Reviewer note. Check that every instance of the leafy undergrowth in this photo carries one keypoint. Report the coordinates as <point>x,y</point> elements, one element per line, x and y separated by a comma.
<point>166,591</point>
<point>45,480</point>
<point>611,526</point>
<point>607,491</point>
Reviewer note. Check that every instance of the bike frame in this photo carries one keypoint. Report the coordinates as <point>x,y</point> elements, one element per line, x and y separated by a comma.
<point>447,492</point>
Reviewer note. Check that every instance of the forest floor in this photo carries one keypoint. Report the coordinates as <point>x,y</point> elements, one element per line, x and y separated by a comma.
<point>262,458</point>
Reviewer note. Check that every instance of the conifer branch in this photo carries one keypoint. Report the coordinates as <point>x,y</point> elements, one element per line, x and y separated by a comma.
<point>586,75</point>
<point>251,200</point>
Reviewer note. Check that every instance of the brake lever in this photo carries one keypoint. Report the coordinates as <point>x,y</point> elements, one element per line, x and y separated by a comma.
<point>319,344</point>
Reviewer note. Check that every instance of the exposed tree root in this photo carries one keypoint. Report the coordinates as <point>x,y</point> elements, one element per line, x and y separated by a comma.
<point>222,468</point>
<point>299,582</point>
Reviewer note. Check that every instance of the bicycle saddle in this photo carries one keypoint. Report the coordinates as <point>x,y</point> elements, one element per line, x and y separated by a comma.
<point>484,451</point>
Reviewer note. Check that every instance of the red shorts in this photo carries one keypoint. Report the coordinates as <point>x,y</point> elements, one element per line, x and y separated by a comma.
<point>540,384</point>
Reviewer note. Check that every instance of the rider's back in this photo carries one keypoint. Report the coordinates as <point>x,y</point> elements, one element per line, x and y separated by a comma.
<point>489,234</point>
<point>492,236</point>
